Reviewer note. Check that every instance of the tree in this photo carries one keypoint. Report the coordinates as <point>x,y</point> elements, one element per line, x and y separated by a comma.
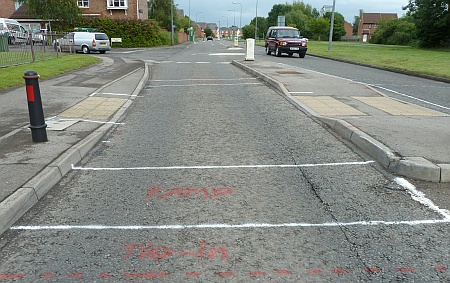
<point>395,32</point>
<point>208,32</point>
<point>63,10</point>
<point>248,31</point>
<point>278,10</point>
<point>432,18</point>
<point>339,27</point>
<point>159,10</point>
<point>263,26</point>
<point>319,28</point>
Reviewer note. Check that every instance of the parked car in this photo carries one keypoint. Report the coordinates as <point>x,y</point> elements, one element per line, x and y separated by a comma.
<point>85,42</point>
<point>285,40</point>
<point>39,36</point>
<point>15,31</point>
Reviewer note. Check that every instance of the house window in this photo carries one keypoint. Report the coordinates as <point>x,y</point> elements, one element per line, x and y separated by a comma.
<point>370,25</point>
<point>83,3</point>
<point>117,4</point>
<point>376,26</point>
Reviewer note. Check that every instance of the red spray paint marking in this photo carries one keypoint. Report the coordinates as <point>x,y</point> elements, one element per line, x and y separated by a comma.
<point>30,93</point>
<point>12,276</point>
<point>105,275</point>
<point>314,271</point>
<point>193,274</point>
<point>77,275</point>
<point>225,274</point>
<point>372,270</point>
<point>187,192</point>
<point>48,275</point>
<point>441,268</point>
<point>406,269</point>
<point>145,275</point>
<point>159,253</point>
<point>284,272</point>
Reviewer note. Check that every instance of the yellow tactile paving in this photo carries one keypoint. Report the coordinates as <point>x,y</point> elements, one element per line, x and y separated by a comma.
<point>98,108</point>
<point>328,106</point>
<point>398,108</point>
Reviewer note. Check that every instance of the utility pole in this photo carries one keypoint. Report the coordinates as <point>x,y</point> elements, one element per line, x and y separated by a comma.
<point>331,27</point>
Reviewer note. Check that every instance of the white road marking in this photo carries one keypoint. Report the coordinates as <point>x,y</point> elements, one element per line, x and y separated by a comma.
<point>301,92</point>
<point>221,167</point>
<point>202,80</point>
<point>91,121</point>
<point>231,226</point>
<point>154,86</point>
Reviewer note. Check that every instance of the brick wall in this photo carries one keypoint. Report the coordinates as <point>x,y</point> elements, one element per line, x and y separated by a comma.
<point>98,7</point>
<point>7,8</point>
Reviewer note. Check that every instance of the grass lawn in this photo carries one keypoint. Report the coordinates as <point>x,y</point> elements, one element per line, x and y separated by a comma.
<point>435,62</point>
<point>12,76</point>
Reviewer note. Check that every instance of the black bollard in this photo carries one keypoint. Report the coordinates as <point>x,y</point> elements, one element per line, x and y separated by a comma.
<point>37,122</point>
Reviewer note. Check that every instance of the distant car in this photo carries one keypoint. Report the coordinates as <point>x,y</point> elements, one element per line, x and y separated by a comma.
<point>39,36</point>
<point>285,40</point>
<point>210,38</point>
<point>85,42</point>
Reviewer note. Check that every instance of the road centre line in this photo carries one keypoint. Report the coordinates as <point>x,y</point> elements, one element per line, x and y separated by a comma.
<point>222,167</point>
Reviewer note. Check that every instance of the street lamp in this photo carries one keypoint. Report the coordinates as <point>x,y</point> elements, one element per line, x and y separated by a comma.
<point>256,20</point>
<point>234,12</point>
<point>331,26</point>
<point>240,16</point>
<point>196,16</point>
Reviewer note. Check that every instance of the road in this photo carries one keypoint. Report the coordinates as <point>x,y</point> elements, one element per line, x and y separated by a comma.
<point>214,177</point>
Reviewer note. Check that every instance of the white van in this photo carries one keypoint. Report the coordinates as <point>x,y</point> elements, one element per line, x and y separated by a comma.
<point>81,41</point>
<point>15,31</point>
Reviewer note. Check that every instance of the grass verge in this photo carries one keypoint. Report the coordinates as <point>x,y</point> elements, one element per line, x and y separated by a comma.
<point>435,62</point>
<point>12,76</point>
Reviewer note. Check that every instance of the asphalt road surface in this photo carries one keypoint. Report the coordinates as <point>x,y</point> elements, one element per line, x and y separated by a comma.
<point>214,177</point>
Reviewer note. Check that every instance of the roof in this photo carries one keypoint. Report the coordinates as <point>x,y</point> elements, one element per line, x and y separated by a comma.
<point>22,13</point>
<point>372,18</point>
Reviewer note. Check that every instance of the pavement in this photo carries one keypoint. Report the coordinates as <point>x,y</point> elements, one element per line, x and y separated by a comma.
<point>380,126</point>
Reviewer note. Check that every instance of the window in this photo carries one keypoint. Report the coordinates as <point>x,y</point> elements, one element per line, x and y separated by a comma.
<point>117,4</point>
<point>83,3</point>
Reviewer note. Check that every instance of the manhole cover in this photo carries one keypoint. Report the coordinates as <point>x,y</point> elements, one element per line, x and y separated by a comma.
<point>289,73</point>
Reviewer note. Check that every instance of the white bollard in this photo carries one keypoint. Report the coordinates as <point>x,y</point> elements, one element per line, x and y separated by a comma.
<point>250,50</point>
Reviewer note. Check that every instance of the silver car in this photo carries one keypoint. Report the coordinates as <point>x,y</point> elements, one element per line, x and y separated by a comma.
<point>83,42</point>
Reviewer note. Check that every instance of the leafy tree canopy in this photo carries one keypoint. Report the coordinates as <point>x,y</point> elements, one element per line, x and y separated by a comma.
<point>64,10</point>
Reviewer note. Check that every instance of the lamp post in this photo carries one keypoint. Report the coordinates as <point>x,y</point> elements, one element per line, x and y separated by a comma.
<point>240,15</point>
<point>331,27</point>
<point>189,13</point>
<point>256,20</point>
<point>234,13</point>
<point>171,21</point>
<point>196,16</point>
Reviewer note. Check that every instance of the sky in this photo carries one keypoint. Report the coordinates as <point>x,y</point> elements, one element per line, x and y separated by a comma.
<point>213,11</point>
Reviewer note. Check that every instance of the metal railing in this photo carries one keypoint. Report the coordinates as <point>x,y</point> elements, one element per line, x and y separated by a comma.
<point>37,47</point>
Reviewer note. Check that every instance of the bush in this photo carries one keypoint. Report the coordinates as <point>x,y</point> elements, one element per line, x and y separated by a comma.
<point>395,32</point>
<point>134,33</point>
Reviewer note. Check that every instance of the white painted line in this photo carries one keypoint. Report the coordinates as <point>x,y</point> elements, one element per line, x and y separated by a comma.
<point>301,92</point>
<point>154,86</point>
<point>118,94</point>
<point>409,96</point>
<point>420,197</point>
<point>222,167</point>
<point>180,80</point>
<point>231,226</point>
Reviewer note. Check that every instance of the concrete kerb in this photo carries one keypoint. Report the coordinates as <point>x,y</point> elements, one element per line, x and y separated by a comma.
<point>413,167</point>
<point>18,203</point>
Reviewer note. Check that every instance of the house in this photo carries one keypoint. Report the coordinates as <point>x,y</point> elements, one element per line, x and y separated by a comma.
<point>369,22</point>
<point>7,8</point>
<point>201,26</point>
<point>114,9</point>
<point>348,28</point>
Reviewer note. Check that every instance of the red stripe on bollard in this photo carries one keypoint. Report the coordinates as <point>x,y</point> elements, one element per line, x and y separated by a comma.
<point>30,93</point>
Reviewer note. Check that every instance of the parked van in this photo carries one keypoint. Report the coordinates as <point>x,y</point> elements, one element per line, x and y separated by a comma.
<point>15,31</point>
<point>83,42</point>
